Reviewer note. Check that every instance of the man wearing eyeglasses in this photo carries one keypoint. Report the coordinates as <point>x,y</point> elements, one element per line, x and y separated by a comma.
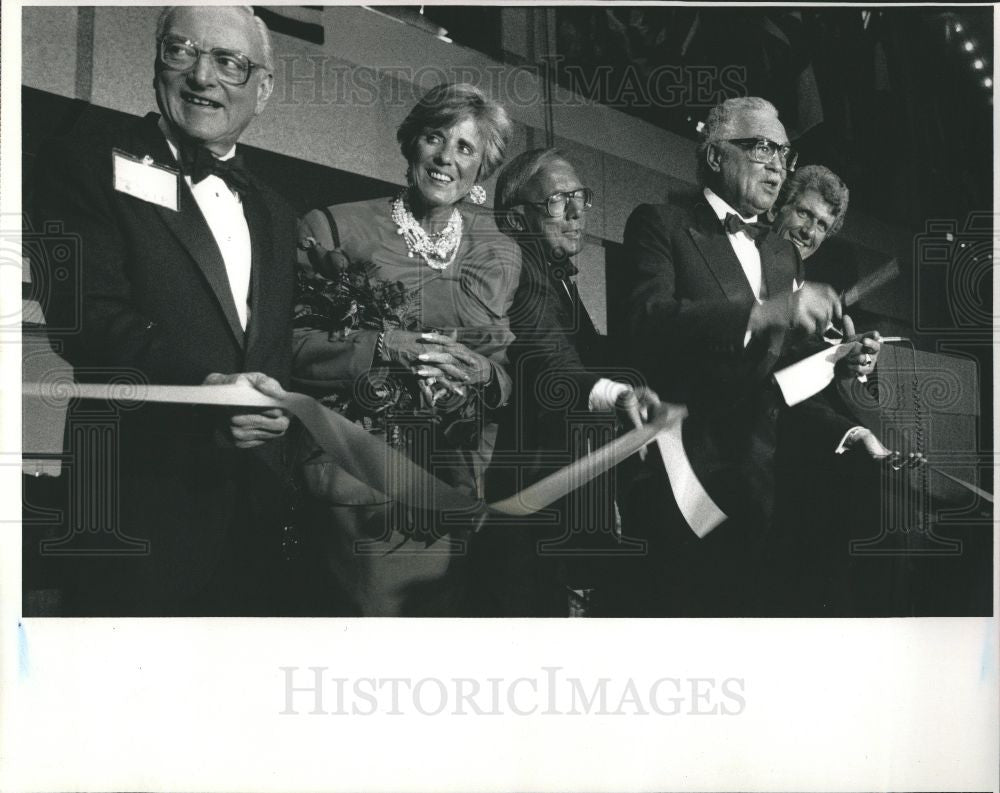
<point>185,276</point>
<point>715,298</point>
<point>561,368</point>
<point>542,203</point>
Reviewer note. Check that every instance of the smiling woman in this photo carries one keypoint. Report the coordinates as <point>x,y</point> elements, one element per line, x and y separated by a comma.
<point>402,327</point>
<point>445,165</point>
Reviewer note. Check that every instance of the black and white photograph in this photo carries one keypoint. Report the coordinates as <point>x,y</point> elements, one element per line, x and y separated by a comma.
<point>396,377</point>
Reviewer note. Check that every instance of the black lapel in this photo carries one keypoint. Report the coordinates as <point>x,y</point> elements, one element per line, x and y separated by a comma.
<point>190,228</point>
<point>565,290</point>
<point>567,301</point>
<point>264,264</point>
<point>584,325</point>
<point>777,263</point>
<point>574,319</point>
<point>714,246</point>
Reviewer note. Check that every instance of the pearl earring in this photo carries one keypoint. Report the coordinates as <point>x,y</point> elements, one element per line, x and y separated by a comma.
<point>477,195</point>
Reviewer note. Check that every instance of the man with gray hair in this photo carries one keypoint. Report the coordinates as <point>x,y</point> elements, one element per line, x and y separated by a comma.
<point>561,368</point>
<point>715,300</point>
<point>185,276</point>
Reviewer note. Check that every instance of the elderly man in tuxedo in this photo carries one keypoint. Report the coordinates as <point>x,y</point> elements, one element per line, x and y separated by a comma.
<point>564,394</point>
<point>185,276</point>
<point>716,300</point>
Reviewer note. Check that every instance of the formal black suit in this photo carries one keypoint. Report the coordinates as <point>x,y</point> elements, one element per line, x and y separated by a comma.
<point>689,311</point>
<point>145,298</point>
<point>556,359</point>
<point>552,360</point>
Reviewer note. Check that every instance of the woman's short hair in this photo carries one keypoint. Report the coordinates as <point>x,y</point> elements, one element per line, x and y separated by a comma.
<point>258,23</point>
<point>721,124</point>
<point>450,103</point>
<point>825,182</point>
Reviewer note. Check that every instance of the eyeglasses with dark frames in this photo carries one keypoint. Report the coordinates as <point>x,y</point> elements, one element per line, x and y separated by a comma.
<point>555,205</point>
<point>763,150</point>
<point>180,54</point>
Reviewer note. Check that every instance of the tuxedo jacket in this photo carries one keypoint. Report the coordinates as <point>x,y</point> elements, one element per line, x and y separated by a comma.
<point>549,316</point>
<point>553,361</point>
<point>689,309</point>
<point>144,298</point>
<point>556,358</point>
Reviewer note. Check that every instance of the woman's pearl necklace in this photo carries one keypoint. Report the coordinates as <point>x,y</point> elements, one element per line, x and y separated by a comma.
<point>439,249</point>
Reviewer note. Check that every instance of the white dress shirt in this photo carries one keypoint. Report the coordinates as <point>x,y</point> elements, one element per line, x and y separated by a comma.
<point>747,252</point>
<point>743,244</point>
<point>223,211</point>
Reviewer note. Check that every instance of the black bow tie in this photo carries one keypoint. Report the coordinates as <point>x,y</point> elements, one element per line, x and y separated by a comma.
<point>562,269</point>
<point>199,162</point>
<point>734,223</point>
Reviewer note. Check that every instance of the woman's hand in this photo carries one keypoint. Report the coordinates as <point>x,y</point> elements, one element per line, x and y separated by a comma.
<point>453,360</point>
<point>406,346</point>
<point>442,363</point>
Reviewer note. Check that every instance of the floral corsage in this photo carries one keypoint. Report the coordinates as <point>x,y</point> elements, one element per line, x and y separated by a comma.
<point>337,295</point>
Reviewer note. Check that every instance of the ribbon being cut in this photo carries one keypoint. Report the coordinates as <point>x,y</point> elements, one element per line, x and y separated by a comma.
<point>808,377</point>
<point>385,469</point>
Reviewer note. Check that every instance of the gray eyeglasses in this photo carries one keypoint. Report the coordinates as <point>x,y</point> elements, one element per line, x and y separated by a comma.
<point>555,204</point>
<point>763,150</point>
<point>180,54</point>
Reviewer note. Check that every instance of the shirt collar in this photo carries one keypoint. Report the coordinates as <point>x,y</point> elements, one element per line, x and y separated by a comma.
<point>721,208</point>
<point>172,143</point>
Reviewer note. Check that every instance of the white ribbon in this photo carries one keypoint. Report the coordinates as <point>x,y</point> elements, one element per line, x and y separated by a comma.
<point>369,459</point>
<point>696,505</point>
<point>811,375</point>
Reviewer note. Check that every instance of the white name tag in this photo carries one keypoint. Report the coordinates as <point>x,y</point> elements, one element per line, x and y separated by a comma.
<point>145,180</point>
